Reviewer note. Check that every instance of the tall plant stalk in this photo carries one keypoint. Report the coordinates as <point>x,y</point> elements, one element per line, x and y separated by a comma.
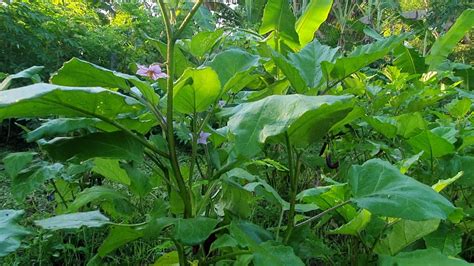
<point>171,37</point>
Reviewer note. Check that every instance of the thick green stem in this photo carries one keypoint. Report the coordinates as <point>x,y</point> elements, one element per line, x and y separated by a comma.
<point>293,172</point>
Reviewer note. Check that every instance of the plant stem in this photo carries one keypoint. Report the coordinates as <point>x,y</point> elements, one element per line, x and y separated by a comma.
<point>170,44</point>
<point>188,18</point>
<point>323,213</point>
<point>293,187</point>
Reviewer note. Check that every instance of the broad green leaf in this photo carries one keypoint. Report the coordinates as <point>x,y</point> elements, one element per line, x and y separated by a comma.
<point>233,67</point>
<point>409,60</point>
<point>308,245</point>
<point>204,41</point>
<point>408,125</point>
<point>360,57</point>
<point>326,197</point>
<point>97,194</point>
<point>306,119</point>
<point>111,170</point>
<point>196,90</point>
<point>224,241</point>
<point>29,73</point>
<point>314,15</point>
<point>422,257</point>
<point>431,144</point>
<point>17,161</point>
<point>387,126</point>
<point>248,234</point>
<point>278,18</point>
<point>118,236</point>
<point>448,239</point>
<point>27,182</point>
<point>402,234</point>
<point>445,44</point>
<point>355,226</point>
<point>193,231</point>
<point>10,232</point>
<point>73,221</point>
<point>380,188</point>
<point>139,181</point>
<point>42,100</point>
<point>459,108</point>
<point>114,145</point>
<point>80,73</point>
<point>292,73</point>
<point>308,61</point>
<point>168,259</point>
<point>60,126</point>
<point>273,253</point>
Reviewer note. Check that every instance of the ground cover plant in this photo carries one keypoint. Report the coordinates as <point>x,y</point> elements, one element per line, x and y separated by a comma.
<point>246,147</point>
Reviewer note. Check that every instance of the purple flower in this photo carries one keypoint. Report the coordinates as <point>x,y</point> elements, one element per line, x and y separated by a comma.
<point>153,71</point>
<point>203,137</point>
<point>221,104</point>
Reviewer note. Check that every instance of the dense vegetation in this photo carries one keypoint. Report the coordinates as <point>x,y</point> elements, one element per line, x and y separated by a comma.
<point>276,133</point>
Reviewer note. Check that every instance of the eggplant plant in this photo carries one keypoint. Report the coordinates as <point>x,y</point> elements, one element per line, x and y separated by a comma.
<point>186,153</point>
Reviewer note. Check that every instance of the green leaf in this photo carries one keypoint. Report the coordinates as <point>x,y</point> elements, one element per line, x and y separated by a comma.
<point>233,67</point>
<point>168,259</point>
<point>139,181</point>
<point>306,119</point>
<point>60,126</point>
<point>326,197</point>
<point>273,253</point>
<point>380,188</point>
<point>308,61</point>
<point>431,144</point>
<point>10,232</point>
<point>224,241</point>
<point>459,108</point>
<point>421,257</point>
<point>204,41</point>
<point>292,73</point>
<point>193,231</point>
<point>80,73</point>
<point>448,239</point>
<point>111,170</point>
<point>114,145</point>
<point>17,161</point>
<point>28,73</point>
<point>42,100</point>
<point>277,17</point>
<point>73,221</point>
<point>402,234</point>
<point>409,60</point>
<point>443,183</point>
<point>445,44</point>
<point>314,15</point>
<point>355,226</point>
<point>387,126</point>
<point>360,57</point>
<point>410,124</point>
<point>96,194</point>
<point>118,236</point>
<point>27,182</point>
<point>196,90</point>
<point>248,234</point>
